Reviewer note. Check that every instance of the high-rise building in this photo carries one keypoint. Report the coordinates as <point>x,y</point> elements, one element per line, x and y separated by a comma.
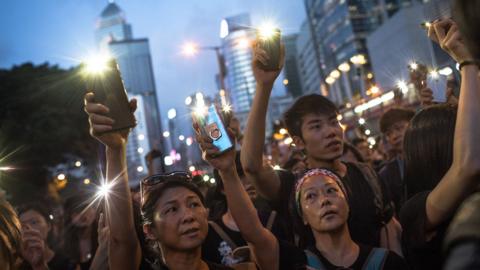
<point>292,77</point>
<point>307,61</point>
<point>339,30</point>
<point>134,60</point>
<point>236,35</point>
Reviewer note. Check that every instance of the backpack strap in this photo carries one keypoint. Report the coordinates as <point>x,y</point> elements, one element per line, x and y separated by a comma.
<point>271,219</point>
<point>313,261</point>
<point>376,259</point>
<point>223,234</point>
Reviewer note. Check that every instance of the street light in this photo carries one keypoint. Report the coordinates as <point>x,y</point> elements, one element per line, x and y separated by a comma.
<point>190,49</point>
<point>172,113</point>
<point>166,134</point>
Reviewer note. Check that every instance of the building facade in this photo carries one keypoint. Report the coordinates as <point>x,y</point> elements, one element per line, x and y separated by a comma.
<point>307,61</point>
<point>292,77</point>
<point>134,60</point>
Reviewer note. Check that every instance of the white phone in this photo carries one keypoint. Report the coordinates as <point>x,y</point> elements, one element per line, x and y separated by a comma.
<point>438,85</point>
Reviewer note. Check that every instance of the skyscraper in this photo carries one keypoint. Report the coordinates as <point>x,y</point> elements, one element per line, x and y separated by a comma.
<point>339,30</point>
<point>236,34</point>
<point>292,77</point>
<point>307,61</point>
<point>114,34</point>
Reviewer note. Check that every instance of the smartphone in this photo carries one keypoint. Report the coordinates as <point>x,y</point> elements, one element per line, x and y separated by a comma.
<point>110,91</point>
<point>439,87</point>
<point>212,125</point>
<point>271,44</point>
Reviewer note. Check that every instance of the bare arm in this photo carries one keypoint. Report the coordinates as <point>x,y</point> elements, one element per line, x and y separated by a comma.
<point>263,176</point>
<point>124,249</point>
<point>460,180</point>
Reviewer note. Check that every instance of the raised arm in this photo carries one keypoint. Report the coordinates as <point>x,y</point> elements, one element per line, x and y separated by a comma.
<point>124,248</point>
<point>462,177</point>
<point>265,245</point>
<point>263,176</point>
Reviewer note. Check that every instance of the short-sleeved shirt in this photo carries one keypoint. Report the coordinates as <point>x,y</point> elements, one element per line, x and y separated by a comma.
<point>364,222</point>
<point>420,252</point>
<point>217,250</point>
<point>392,260</point>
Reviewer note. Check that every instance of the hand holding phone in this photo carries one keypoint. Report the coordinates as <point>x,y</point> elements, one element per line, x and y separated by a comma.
<point>269,41</point>
<point>213,127</point>
<point>109,90</point>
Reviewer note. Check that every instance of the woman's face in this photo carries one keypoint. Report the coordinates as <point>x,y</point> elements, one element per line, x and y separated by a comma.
<point>36,221</point>
<point>84,218</point>
<point>180,220</point>
<point>324,206</point>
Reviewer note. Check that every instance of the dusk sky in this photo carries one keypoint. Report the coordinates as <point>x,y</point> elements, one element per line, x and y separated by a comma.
<point>62,32</point>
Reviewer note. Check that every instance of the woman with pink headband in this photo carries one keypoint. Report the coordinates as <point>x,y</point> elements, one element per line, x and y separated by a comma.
<point>321,207</point>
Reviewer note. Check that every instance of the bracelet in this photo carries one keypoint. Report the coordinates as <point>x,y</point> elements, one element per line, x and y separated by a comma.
<point>469,63</point>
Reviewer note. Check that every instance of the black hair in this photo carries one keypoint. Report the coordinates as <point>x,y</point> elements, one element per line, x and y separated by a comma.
<point>393,116</point>
<point>348,147</point>
<point>314,103</point>
<point>151,197</point>
<point>428,147</point>
<point>10,234</point>
<point>357,141</point>
<point>465,13</point>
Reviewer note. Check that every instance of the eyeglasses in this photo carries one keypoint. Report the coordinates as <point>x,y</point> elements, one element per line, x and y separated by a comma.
<point>149,183</point>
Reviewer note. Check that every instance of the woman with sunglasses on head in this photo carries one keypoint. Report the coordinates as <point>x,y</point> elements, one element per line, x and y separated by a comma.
<point>174,214</point>
<point>321,208</point>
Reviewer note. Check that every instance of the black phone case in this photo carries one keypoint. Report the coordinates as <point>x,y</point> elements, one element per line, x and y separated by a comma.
<point>109,90</point>
<point>272,47</point>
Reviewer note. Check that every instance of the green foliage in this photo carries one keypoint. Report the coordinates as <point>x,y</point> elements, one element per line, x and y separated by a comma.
<point>42,123</point>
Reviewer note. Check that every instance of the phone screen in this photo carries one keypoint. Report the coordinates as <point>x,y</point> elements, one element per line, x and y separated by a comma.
<point>439,88</point>
<point>215,129</point>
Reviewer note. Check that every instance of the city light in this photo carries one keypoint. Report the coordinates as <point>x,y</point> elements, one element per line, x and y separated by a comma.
<point>371,141</point>
<point>205,180</point>
<point>243,43</point>
<point>189,49</point>
<point>61,177</point>
<point>191,168</point>
<point>141,137</point>
<point>277,167</point>
<point>188,101</point>
<point>78,163</point>
<point>172,113</point>
<point>367,132</point>
<point>139,169</point>
<point>97,64</point>
<point>206,177</point>
<point>283,131</point>
<point>223,28</point>
<point>374,90</point>
<point>446,71</point>
<point>181,138</point>
<point>285,82</point>
<point>168,161</point>
<point>222,92</point>
<point>361,121</point>
<point>4,169</point>
<point>335,74</point>
<point>402,85</point>
<point>86,181</point>
<point>267,30</point>
<point>344,67</point>
<point>189,141</point>
<point>212,181</point>
<point>358,59</point>
<point>374,102</point>
<point>427,24</point>
<point>339,117</point>
<point>166,134</point>
<point>200,110</point>
<point>288,141</point>
<point>370,75</point>
<point>330,80</point>
<point>348,105</point>
<point>140,150</point>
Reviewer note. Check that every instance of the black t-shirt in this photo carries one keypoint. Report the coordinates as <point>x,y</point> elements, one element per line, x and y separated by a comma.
<point>217,250</point>
<point>392,260</point>
<point>420,252</point>
<point>364,222</point>
<point>58,262</point>
<point>291,257</point>
<point>391,176</point>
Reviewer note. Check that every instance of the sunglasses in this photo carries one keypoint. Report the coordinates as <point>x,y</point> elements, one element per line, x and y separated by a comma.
<point>152,182</point>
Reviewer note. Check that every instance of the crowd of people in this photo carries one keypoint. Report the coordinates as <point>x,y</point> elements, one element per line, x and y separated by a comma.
<point>333,205</point>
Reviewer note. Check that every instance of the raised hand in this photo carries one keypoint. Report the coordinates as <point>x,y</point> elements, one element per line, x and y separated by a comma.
<point>211,154</point>
<point>446,33</point>
<point>100,124</point>
<point>33,248</point>
<point>262,76</point>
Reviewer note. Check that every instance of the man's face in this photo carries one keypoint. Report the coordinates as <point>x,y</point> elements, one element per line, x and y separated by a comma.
<point>395,135</point>
<point>322,137</point>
